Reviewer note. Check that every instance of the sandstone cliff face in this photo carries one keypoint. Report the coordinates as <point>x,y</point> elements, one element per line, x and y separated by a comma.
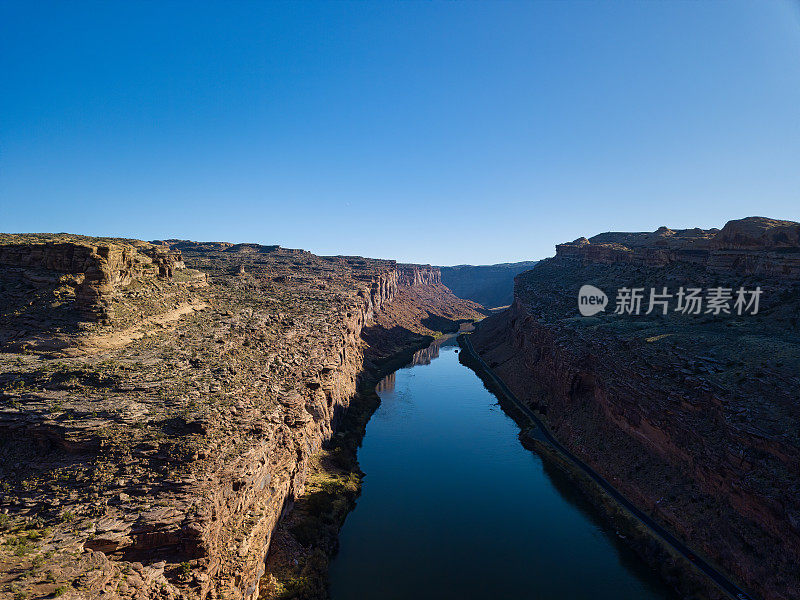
<point>151,454</point>
<point>94,269</point>
<point>693,418</point>
<point>490,285</point>
<point>751,246</point>
<point>411,275</point>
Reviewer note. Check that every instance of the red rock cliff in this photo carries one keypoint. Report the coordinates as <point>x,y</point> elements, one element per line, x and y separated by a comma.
<point>694,419</point>
<point>755,245</point>
<point>154,455</point>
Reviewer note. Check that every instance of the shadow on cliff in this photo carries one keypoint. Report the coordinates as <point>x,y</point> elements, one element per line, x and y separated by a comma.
<point>383,342</point>
<point>29,314</point>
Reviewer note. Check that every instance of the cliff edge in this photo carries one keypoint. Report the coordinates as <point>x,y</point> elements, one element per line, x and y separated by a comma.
<point>691,415</point>
<point>160,403</point>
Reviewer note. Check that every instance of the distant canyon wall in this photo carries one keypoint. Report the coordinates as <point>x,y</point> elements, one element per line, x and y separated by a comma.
<point>489,285</point>
<point>412,275</point>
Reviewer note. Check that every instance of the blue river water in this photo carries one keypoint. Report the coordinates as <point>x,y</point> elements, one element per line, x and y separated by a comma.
<point>453,506</point>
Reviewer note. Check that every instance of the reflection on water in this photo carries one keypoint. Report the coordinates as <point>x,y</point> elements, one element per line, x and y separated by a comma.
<point>425,356</point>
<point>453,506</point>
<point>386,384</point>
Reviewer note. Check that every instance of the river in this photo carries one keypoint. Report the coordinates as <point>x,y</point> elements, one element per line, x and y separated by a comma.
<point>453,506</point>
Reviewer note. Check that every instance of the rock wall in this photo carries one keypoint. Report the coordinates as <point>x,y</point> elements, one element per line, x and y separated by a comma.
<point>751,246</point>
<point>156,461</point>
<point>277,465</point>
<point>693,418</point>
<point>94,270</point>
<point>411,275</point>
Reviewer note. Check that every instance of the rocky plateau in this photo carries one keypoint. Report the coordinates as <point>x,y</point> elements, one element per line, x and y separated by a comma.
<point>160,403</point>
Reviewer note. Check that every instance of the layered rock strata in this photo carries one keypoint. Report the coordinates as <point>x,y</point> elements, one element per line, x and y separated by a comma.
<point>693,417</point>
<point>751,246</point>
<point>157,466</point>
<point>87,271</point>
<point>412,275</point>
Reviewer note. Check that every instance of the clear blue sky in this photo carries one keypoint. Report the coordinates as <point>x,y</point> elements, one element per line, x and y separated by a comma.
<point>453,132</point>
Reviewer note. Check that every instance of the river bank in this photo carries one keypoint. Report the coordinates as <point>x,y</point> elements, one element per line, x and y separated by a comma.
<point>678,565</point>
<point>307,535</point>
<point>453,506</point>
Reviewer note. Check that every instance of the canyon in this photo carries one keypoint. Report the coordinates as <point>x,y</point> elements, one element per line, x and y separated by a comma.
<point>161,402</point>
<point>693,417</point>
<point>179,419</point>
<point>490,285</point>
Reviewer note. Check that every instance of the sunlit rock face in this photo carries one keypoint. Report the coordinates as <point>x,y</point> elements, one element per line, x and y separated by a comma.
<point>751,246</point>
<point>412,275</point>
<point>161,401</point>
<point>84,273</point>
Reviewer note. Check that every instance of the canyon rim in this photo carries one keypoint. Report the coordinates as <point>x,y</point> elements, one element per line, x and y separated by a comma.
<point>164,403</point>
<point>289,308</point>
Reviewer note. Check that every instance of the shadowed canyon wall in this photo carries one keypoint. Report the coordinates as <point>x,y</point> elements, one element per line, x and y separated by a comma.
<point>489,285</point>
<point>693,417</point>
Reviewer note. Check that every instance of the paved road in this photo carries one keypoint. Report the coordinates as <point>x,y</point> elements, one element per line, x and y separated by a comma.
<point>721,580</point>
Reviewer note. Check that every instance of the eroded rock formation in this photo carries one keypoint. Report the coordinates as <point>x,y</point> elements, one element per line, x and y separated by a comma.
<point>148,448</point>
<point>86,270</point>
<point>751,246</point>
<point>411,275</point>
<point>693,417</point>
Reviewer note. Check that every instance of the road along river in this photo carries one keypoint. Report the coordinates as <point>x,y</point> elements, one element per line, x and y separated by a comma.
<point>453,506</point>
